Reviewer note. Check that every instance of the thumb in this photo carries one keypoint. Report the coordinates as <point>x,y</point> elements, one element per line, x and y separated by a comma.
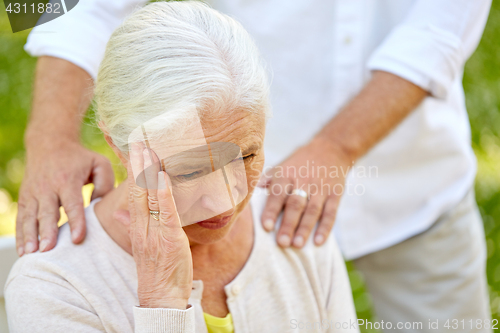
<point>102,176</point>
<point>122,216</point>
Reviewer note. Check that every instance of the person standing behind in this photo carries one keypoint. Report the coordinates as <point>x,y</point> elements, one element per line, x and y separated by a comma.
<point>370,82</point>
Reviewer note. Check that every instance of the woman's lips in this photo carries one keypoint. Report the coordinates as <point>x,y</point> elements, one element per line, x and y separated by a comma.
<point>215,223</point>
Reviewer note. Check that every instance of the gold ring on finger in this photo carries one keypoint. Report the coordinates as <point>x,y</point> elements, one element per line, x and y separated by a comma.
<point>300,193</point>
<point>155,214</point>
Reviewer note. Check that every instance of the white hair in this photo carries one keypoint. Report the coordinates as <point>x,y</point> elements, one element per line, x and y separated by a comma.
<point>172,57</point>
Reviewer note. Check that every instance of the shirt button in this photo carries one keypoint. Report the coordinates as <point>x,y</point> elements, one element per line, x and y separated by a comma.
<point>235,290</point>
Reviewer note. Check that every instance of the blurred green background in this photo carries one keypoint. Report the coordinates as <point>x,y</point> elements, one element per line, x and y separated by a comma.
<point>482,87</point>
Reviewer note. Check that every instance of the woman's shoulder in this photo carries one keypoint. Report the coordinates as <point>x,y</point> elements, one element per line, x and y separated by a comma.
<point>52,265</point>
<point>67,263</point>
<point>70,283</point>
<point>51,289</point>
<point>39,281</point>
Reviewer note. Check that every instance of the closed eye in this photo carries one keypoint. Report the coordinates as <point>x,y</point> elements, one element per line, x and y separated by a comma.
<point>189,175</point>
<point>244,158</point>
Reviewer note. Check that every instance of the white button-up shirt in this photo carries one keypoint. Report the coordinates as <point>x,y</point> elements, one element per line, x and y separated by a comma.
<point>321,53</point>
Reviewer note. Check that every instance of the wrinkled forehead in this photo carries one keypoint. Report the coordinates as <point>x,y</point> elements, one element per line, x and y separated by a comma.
<point>167,136</point>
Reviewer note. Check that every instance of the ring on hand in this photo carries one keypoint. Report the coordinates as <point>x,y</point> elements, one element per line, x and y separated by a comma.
<point>155,214</point>
<point>301,193</point>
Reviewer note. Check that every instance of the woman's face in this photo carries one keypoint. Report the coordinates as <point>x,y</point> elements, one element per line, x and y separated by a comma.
<point>213,167</point>
<point>245,130</point>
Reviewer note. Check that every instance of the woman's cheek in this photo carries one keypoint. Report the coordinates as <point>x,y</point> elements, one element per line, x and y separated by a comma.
<point>184,196</point>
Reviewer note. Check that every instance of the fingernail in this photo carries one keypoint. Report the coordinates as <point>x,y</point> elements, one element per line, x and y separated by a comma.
<point>30,247</point>
<point>298,241</point>
<point>318,239</point>
<point>43,244</point>
<point>284,240</point>
<point>161,180</point>
<point>74,235</point>
<point>20,251</point>
<point>268,224</point>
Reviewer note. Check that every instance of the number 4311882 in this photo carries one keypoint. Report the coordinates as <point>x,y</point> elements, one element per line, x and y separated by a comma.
<point>17,8</point>
<point>455,324</point>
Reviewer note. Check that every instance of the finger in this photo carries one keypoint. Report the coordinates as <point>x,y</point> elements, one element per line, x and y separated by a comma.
<point>26,213</point>
<point>136,164</point>
<point>275,202</point>
<point>132,188</point>
<point>103,177</point>
<point>131,204</point>
<point>19,231</point>
<point>294,208</point>
<point>151,169</point>
<point>139,194</point>
<point>309,219</point>
<point>48,215</point>
<point>30,226</point>
<point>72,201</point>
<point>168,210</point>
<point>327,219</point>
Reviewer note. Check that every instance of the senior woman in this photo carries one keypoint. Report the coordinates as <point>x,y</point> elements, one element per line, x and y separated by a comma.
<point>163,256</point>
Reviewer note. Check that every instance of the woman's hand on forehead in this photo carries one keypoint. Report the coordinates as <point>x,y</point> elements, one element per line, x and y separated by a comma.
<point>159,244</point>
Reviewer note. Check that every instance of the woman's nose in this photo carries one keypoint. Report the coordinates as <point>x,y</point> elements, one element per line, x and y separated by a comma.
<point>216,196</point>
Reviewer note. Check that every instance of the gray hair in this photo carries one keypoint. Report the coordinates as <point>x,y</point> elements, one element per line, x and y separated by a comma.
<point>173,56</point>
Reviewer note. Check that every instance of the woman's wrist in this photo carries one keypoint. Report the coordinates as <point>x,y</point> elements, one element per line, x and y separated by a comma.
<point>165,303</point>
<point>164,296</point>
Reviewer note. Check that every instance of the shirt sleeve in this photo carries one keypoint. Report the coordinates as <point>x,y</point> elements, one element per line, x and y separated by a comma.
<point>430,47</point>
<point>35,305</point>
<point>164,320</point>
<point>80,36</point>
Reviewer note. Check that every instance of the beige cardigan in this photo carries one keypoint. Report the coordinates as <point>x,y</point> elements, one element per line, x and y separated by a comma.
<point>92,287</point>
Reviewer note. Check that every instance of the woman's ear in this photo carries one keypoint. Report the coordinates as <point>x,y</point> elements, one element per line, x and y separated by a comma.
<point>108,139</point>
